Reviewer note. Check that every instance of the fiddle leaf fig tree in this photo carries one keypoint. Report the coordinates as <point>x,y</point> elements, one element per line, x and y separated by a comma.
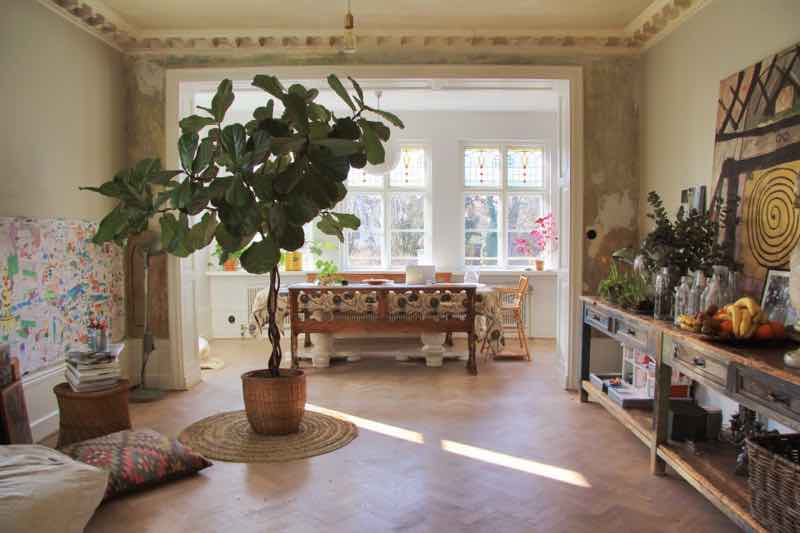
<point>252,185</point>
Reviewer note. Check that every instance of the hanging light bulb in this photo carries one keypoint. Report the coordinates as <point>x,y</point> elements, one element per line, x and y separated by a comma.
<point>349,37</point>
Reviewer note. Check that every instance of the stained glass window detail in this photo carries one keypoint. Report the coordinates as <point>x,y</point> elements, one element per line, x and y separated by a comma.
<point>525,167</point>
<point>410,170</point>
<point>360,177</point>
<point>482,167</point>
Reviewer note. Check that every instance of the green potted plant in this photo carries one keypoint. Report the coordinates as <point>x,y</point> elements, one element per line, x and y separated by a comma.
<point>327,270</point>
<point>252,186</point>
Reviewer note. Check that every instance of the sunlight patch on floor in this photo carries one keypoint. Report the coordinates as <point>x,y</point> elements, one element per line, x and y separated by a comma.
<point>371,425</point>
<point>517,463</point>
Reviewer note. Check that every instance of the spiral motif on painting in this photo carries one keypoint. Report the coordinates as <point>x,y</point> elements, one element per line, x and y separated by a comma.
<point>773,221</point>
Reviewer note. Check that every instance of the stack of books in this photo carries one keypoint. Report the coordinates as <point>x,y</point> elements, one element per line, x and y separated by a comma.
<point>94,371</point>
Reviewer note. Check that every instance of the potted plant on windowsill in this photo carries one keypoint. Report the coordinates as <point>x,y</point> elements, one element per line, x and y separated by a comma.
<point>229,261</point>
<point>543,234</point>
<point>265,178</point>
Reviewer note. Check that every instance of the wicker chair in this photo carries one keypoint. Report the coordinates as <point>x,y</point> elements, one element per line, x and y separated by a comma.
<point>512,300</point>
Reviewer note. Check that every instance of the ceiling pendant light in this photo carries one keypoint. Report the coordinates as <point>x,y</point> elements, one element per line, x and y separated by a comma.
<point>349,37</point>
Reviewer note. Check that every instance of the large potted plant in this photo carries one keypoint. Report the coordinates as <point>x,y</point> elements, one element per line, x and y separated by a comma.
<point>254,186</point>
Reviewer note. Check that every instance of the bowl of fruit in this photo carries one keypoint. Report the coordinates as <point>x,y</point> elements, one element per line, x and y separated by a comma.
<point>742,322</point>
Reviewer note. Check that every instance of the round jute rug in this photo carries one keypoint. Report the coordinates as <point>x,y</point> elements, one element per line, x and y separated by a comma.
<point>228,437</point>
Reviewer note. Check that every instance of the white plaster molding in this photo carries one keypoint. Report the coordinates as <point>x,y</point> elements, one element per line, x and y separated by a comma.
<point>660,19</point>
<point>653,24</point>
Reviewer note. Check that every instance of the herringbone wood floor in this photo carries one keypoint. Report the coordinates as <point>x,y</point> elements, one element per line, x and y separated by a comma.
<point>384,483</point>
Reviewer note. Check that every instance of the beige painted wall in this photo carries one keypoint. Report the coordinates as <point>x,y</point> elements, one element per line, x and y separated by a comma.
<point>63,109</point>
<point>681,78</point>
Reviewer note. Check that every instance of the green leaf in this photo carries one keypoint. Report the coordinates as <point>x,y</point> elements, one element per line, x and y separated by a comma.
<point>346,220</point>
<point>218,187</point>
<point>145,168</point>
<point>264,112</point>
<point>110,188</point>
<point>209,173</point>
<point>375,151</point>
<point>238,194</point>
<point>296,111</point>
<point>202,233</point>
<point>111,226</point>
<point>300,209</point>
<point>330,166</point>
<point>293,238</point>
<point>285,145</point>
<point>261,256</point>
<point>289,178</point>
<point>258,147</point>
<point>181,195</point>
<point>174,233</point>
<point>228,241</point>
<point>339,147</point>
<point>222,100</point>
<point>270,84</point>
<point>195,123</point>
<point>205,152</point>
<point>391,117</point>
<point>328,226</point>
<point>187,146</point>
<point>278,220</point>
<point>357,87</point>
<point>311,95</point>
<point>163,177</point>
<point>233,140</point>
<point>381,130</point>
<point>339,89</point>
<point>319,113</point>
<point>346,128</point>
<point>318,131</point>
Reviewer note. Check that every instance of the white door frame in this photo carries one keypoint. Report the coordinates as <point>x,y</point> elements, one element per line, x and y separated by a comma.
<point>184,357</point>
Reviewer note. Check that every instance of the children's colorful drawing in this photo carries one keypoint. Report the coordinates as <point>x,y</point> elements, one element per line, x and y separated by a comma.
<point>54,281</point>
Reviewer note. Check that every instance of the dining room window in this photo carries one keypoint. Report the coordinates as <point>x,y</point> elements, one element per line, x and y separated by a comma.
<point>506,189</point>
<point>392,209</point>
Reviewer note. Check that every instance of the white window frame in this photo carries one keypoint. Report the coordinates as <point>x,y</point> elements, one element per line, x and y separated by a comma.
<point>504,190</point>
<point>386,190</point>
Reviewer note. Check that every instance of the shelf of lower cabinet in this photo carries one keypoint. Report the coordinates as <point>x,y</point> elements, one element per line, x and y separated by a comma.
<point>711,472</point>
<point>638,421</point>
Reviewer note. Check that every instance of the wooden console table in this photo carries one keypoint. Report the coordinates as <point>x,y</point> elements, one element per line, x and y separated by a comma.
<point>397,308</point>
<point>755,378</point>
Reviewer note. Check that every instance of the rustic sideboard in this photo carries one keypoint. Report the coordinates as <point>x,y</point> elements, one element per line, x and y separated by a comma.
<point>753,377</point>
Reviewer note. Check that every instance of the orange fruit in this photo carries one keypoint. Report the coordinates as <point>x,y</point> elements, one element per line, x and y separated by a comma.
<point>764,332</point>
<point>726,326</point>
<point>778,329</point>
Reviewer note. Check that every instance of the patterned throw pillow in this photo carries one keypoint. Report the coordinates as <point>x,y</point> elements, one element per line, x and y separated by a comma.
<point>136,459</point>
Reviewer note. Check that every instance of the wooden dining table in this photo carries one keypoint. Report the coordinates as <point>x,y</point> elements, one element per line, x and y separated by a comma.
<point>431,310</point>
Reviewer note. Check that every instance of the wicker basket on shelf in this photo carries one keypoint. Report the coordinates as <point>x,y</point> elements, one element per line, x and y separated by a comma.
<point>774,476</point>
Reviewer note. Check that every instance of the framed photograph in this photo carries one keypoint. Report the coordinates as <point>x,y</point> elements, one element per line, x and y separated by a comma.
<point>775,298</point>
<point>694,198</point>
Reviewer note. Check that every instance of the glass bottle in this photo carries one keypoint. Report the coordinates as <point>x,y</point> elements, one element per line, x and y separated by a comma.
<point>733,285</point>
<point>725,293</point>
<point>681,299</point>
<point>712,295</point>
<point>696,293</point>
<point>663,296</point>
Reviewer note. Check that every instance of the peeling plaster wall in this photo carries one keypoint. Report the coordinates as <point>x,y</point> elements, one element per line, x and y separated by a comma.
<point>611,102</point>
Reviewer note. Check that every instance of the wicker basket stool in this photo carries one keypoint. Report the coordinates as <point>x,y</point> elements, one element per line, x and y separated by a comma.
<point>774,477</point>
<point>86,415</point>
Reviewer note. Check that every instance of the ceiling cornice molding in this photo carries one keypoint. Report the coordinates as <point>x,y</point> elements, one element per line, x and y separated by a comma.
<point>659,19</point>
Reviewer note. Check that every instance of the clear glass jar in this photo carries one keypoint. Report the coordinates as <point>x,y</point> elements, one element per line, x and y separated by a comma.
<point>681,299</point>
<point>696,293</point>
<point>733,285</point>
<point>663,296</point>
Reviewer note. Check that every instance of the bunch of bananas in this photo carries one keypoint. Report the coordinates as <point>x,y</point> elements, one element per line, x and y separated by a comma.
<point>690,323</point>
<point>745,316</point>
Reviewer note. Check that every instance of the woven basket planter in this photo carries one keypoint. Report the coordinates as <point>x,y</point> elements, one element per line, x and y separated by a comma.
<point>274,406</point>
<point>774,476</point>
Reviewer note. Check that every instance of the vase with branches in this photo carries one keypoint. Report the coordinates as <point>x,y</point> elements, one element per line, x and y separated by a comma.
<point>253,186</point>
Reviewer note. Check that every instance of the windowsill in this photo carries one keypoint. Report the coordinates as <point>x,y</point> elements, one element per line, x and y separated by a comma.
<point>494,273</point>
<point>244,273</point>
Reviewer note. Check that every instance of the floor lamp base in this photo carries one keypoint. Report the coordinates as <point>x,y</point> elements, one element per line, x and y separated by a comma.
<point>143,395</point>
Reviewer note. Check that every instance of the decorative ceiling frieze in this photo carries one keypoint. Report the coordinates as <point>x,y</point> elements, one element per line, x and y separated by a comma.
<point>653,24</point>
